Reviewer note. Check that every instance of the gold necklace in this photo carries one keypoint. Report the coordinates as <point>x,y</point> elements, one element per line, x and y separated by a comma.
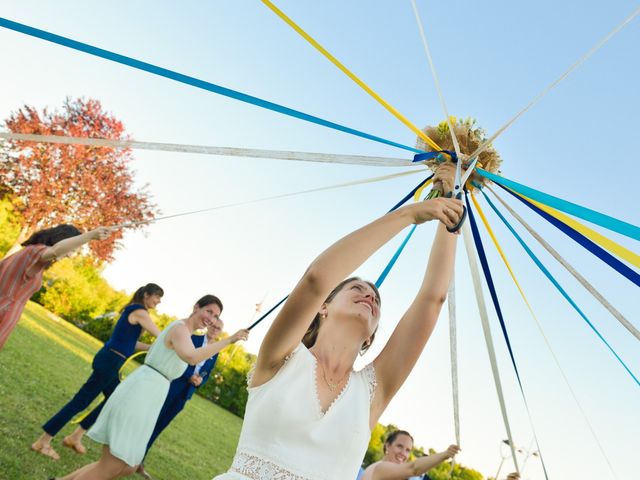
<point>332,386</point>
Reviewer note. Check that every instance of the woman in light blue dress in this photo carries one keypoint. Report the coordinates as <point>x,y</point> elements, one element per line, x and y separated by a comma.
<point>127,419</point>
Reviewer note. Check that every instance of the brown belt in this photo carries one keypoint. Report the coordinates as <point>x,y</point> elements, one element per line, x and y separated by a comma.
<point>157,371</point>
<point>118,353</point>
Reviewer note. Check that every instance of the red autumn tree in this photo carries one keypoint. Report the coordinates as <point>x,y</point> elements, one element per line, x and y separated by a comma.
<point>87,186</point>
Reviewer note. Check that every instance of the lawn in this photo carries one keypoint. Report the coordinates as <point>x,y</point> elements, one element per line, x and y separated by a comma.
<point>42,365</point>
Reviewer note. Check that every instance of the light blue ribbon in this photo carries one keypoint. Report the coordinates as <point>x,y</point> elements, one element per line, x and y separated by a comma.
<point>393,260</point>
<point>557,285</point>
<point>592,216</point>
<point>195,82</point>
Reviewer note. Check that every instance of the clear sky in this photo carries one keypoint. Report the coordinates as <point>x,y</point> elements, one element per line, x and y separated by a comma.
<point>492,57</point>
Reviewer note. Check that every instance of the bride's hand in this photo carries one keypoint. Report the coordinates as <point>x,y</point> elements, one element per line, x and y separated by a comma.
<point>443,179</point>
<point>447,210</point>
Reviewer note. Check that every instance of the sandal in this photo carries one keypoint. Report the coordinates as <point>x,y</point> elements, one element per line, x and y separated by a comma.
<point>76,447</point>
<point>142,472</point>
<point>46,450</point>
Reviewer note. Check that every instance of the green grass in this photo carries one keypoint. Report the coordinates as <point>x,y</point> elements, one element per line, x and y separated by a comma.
<point>43,364</point>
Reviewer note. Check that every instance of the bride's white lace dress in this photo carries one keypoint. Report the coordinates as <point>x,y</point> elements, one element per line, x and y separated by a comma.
<point>287,436</point>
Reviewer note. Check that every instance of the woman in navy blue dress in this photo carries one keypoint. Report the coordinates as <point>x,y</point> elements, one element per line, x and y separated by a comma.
<point>134,318</point>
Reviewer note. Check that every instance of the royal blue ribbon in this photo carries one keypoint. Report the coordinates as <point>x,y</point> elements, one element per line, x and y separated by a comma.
<point>395,256</point>
<point>557,285</point>
<point>598,251</point>
<point>393,260</point>
<point>179,77</point>
<point>494,297</point>
<point>421,157</point>
<point>592,216</point>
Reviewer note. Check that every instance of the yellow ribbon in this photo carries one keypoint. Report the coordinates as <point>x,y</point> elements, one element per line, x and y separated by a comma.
<point>592,235</point>
<point>418,194</point>
<point>128,361</point>
<point>351,75</point>
<point>500,251</point>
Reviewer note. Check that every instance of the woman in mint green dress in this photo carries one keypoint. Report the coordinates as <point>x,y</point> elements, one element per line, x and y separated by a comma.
<point>127,419</point>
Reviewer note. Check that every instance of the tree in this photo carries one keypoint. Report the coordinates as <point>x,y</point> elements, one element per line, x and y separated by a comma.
<point>9,225</point>
<point>88,186</point>
<point>459,472</point>
<point>376,444</point>
<point>74,289</point>
<point>228,383</point>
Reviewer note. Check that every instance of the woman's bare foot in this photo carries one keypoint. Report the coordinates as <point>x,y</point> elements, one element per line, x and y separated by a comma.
<point>74,444</point>
<point>45,449</point>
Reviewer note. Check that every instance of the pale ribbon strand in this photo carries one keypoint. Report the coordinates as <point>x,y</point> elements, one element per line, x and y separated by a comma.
<point>583,281</point>
<point>546,339</point>
<point>212,150</point>
<point>486,328</point>
<point>274,197</point>
<point>451,298</point>
<point>443,104</point>
<point>581,60</point>
<point>453,341</point>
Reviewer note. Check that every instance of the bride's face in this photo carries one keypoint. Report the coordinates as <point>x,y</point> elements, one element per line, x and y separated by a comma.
<point>357,300</point>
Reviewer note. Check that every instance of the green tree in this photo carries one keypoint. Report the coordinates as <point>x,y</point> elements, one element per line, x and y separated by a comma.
<point>74,289</point>
<point>160,319</point>
<point>375,447</point>
<point>227,386</point>
<point>460,472</point>
<point>9,225</point>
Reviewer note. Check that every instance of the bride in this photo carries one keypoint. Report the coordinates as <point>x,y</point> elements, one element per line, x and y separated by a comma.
<point>309,415</point>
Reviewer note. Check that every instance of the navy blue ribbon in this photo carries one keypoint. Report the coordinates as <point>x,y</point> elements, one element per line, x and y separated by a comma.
<point>599,252</point>
<point>494,297</point>
<point>487,275</point>
<point>606,221</point>
<point>409,195</point>
<point>195,82</point>
<point>555,283</point>
<point>268,313</point>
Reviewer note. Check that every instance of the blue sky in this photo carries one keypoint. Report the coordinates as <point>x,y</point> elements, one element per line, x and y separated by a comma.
<point>492,58</point>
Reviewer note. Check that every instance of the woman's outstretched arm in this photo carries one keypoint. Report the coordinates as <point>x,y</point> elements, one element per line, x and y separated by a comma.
<point>180,339</point>
<point>401,471</point>
<point>332,266</point>
<point>68,245</point>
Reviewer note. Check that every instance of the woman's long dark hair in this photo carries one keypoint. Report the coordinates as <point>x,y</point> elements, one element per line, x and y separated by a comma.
<point>149,289</point>
<point>51,236</point>
<point>311,335</point>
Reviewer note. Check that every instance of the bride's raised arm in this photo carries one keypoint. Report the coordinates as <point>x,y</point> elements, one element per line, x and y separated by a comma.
<point>332,266</point>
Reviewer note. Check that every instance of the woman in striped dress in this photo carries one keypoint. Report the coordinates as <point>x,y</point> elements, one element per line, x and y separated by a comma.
<point>21,273</point>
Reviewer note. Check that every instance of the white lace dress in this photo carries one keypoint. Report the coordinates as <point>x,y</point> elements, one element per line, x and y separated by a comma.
<point>286,435</point>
